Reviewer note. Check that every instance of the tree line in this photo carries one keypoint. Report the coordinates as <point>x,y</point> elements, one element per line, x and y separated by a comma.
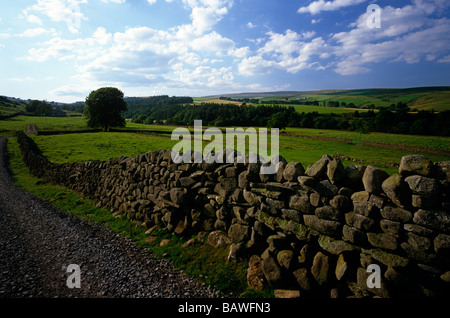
<point>155,107</point>
<point>331,103</point>
<point>42,108</point>
<point>398,121</point>
<point>242,100</point>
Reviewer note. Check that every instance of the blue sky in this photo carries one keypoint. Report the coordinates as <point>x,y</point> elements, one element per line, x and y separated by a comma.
<point>63,49</point>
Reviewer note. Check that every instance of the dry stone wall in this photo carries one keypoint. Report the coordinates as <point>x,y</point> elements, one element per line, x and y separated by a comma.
<point>314,231</point>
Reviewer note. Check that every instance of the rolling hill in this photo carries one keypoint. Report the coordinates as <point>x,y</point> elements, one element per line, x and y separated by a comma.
<point>10,107</point>
<point>418,98</point>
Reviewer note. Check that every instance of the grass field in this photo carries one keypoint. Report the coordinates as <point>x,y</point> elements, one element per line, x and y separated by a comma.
<point>200,100</point>
<point>434,142</point>
<point>421,98</point>
<point>103,146</point>
<point>362,100</point>
<point>438,101</point>
<point>10,126</point>
<point>8,107</point>
<point>324,110</point>
<point>99,146</point>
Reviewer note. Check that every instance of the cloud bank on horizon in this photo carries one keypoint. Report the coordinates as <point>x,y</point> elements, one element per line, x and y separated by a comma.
<point>63,49</point>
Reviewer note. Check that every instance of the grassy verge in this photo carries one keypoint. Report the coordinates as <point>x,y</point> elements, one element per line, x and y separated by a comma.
<point>199,260</point>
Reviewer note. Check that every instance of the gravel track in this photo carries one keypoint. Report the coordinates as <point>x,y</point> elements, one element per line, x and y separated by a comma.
<point>38,242</point>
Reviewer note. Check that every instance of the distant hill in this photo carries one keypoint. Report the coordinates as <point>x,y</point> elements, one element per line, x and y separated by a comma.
<point>438,101</point>
<point>10,106</point>
<point>417,98</point>
<point>255,94</point>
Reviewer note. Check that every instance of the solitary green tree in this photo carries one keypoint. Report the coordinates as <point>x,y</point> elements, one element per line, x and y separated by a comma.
<point>104,108</point>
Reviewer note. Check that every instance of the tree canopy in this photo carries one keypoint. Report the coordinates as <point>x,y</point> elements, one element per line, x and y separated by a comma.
<point>40,108</point>
<point>398,121</point>
<point>104,108</point>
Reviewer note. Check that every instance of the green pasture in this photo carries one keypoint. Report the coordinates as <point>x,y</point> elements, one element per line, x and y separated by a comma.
<point>439,101</point>
<point>362,100</point>
<point>7,110</point>
<point>103,146</point>
<point>308,151</point>
<point>421,98</point>
<point>8,107</point>
<point>143,138</point>
<point>19,123</point>
<point>430,142</point>
<point>99,146</point>
<point>11,125</point>
<point>324,110</point>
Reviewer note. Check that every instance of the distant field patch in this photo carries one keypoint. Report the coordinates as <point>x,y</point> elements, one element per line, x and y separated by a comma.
<point>324,110</point>
<point>417,98</point>
<point>438,101</point>
<point>9,107</point>
<point>201,100</point>
<point>10,126</point>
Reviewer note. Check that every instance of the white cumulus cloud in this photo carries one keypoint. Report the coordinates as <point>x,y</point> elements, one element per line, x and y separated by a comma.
<point>408,34</point>
<point>115,1</point>
<point>188,55</point>
<point>68,11</point>
<point>318,6</point>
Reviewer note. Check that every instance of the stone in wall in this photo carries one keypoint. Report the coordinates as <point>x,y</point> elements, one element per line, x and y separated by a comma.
<point>373,179</point>
<point>415,165</point>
